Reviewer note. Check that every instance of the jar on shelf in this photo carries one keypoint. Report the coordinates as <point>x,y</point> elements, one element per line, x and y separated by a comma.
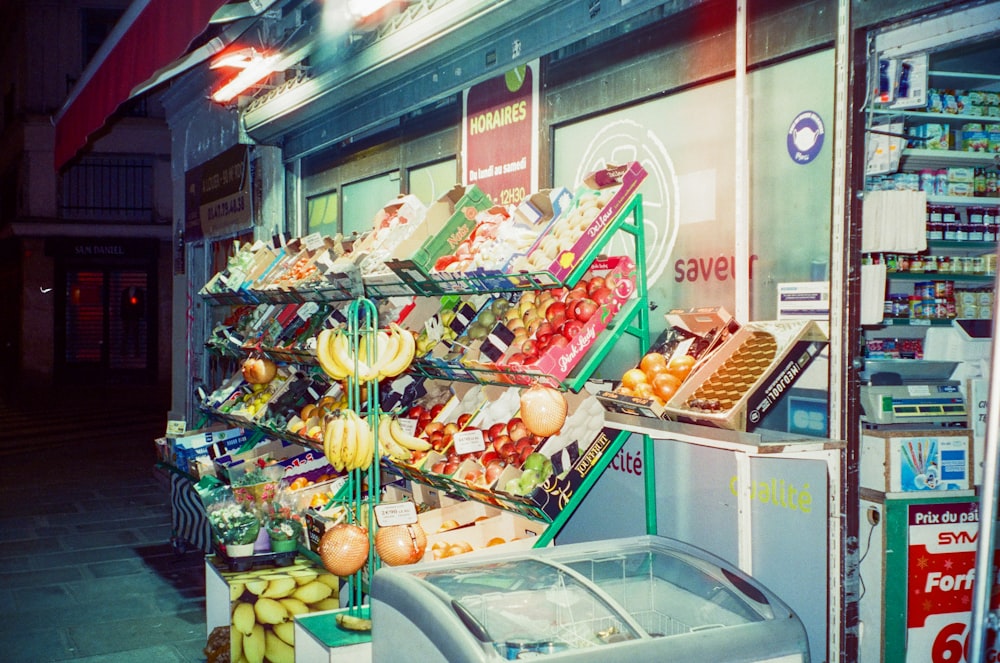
<point>962,232</point>
<point>976,215</point>
<point>976,232</point>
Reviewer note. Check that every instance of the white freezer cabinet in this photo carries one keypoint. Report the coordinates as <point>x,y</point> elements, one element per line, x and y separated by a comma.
<point>645,598</point>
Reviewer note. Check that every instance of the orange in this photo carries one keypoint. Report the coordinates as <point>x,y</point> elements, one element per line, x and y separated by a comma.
<point>644,390</point>
<point>665,385</point>
<point>681,366</point>
<point>653,363</point>
<point>634,377</point>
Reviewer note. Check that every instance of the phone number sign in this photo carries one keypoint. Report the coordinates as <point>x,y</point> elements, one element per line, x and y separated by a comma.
<point>941,563</point>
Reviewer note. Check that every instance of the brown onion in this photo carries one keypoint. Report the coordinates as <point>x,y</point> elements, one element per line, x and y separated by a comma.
<point>344,549</point>
<point>401,544</point>
<point>543,410</point>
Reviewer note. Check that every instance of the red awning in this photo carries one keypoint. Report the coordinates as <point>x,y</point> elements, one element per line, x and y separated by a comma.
<point>151,35</point>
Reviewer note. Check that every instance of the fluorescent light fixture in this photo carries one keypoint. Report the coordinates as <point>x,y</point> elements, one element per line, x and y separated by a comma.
<point>361,9</point>
<point>256,67</point>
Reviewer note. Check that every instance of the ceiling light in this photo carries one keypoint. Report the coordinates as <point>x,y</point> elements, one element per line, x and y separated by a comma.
<point>255,68</point>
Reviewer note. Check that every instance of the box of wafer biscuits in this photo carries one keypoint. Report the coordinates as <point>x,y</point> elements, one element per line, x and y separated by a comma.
<point>742,380</point>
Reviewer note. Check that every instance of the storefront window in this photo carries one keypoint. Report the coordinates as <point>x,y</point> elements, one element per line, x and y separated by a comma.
<point>363,198</point>
<point>321,213</point>
<point>428,183</point>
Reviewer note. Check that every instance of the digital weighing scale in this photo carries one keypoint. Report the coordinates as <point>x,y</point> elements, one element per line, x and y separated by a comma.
<point>912,393</point>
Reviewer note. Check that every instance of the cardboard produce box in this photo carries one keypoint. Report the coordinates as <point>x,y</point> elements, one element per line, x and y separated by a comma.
<point>448,221</point>
<point>917,461</point>
<point>741,380</point>
<point>559,248</point>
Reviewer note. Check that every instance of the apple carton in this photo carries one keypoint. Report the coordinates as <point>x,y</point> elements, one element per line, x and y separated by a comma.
<point>448,221</point>
<point>535,213</point>
<point>616,186</point>
<point>572,465</point>
<point>559,361</point>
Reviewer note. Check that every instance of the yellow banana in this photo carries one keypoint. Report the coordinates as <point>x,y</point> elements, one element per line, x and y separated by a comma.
<point>333,440</point>
<point>404,439</point>
<point>253,644</point>
<point>285,631</point>
<point>389,354</point>
<point>244,618</point>
<point>366,447</point>
<point>350,446</point>
<point>236,645</point>
<point>352,623</point>
<point>277,650</point>
<point>313,592</point>
<point>322,352</point>
<point>407,349</point>
<point>256,586</point>
<point>279,588</point>
<point>387,445</point>
<point>341,352</point>
<point>269,611</point>
<point>293,605</point>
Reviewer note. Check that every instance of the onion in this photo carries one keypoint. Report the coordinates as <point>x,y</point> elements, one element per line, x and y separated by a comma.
<point>543,410</point>
<point>259,370</point>
<point>401,544</point>
<point>344,549</point>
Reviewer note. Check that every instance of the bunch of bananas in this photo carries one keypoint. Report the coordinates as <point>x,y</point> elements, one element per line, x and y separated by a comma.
<point>393,351</point>
<point>395,443</point>
<point>348,443</point>
<point>264,608</point>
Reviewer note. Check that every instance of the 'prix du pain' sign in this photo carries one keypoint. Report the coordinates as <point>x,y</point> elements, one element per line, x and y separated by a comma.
<point>941,566</point>
<point>500,135</point>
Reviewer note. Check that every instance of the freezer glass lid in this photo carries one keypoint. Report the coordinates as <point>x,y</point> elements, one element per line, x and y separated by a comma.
<point>532,601</point>
<point>598,598</point>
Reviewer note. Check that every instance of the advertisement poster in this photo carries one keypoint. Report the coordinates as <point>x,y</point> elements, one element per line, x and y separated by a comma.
<point>217,197</point>
<point>500,135</point>
<point>941,562</point>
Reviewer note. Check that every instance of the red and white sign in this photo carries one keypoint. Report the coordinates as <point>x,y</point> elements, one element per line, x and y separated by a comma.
<point>941,563</point>
<point>500,135</point>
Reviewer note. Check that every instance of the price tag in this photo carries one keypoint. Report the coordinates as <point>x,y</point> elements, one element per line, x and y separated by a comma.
<point>307,310</point>
<point>435,330</point>
<point>409,426</point>
<point>469,441</point>
<point>313,241</point>
<point>176,427</point>
<point>400,513</point>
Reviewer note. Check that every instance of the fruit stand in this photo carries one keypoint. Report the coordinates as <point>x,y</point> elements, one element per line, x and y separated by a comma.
<point>401,379</point>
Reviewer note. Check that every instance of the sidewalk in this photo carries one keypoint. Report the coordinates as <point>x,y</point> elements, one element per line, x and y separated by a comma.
<point>87,571</point>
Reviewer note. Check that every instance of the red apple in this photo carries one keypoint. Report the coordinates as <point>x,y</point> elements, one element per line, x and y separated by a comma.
<point>516,429</point>
<point>578,292</point>
<point>436,409</point>
<point>529,347</point>
<point>488,456</point>
<point>558,341</point>
<point>570,329</point>
<point>498,428</point>
<point>463,419</point>
<point>416,412</point>
<point>437,440</point>
<point>433,427</point>
<point>450,428</point>
<point>524,443</point>
<point>493,470</point>
<point>555,309</point>
<point>601,295</point>
<point>594,283</point>
<point>438,467</point>
<point>450,467</point>
<point>584,309</point>
<point>500,441</point>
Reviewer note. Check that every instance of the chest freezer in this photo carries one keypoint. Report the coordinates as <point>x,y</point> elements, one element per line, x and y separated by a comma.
<point>645,598</point>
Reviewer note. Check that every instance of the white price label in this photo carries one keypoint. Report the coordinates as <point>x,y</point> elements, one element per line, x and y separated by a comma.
<point>409,426</point>
<point>176,427</point>
<point>399,513</point>
<point>469,441</point>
